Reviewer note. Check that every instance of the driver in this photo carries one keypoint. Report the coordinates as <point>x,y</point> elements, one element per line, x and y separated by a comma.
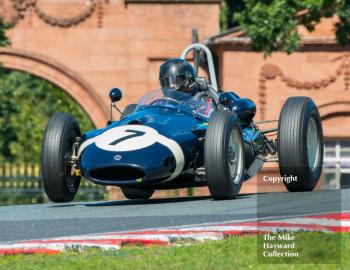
<point>178,80</point>
<point>178,74</point>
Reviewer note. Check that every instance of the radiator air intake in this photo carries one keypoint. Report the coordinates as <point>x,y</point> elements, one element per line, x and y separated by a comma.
<point>117,173</point>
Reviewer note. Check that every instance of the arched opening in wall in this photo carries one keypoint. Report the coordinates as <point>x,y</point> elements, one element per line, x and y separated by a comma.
<point>336,170</point>
<point>26,104</point>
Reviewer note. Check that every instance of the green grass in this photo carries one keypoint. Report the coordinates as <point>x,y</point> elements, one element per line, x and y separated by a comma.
<point>230,253</point>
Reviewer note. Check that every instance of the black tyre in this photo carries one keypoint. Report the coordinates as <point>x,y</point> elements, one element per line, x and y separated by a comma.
<point>300,144</point>
<point>137,193</point>
<point>60,134</point>
<point>224,155</point>
<point>128,110</point>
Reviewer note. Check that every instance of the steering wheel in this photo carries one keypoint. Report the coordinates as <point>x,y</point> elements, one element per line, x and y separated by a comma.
<point>167,98</point>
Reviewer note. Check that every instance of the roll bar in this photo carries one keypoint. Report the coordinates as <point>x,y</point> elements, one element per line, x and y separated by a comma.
<point>200,47</point>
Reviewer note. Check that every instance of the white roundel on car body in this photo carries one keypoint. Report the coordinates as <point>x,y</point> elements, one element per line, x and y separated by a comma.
<point>135,137</point>
<point>127,138</point>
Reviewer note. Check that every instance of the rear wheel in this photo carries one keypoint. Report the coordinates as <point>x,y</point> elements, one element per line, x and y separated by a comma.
<point>300,144</point>
<point>137,193</point>
<point>60,134</point>
<point>224,155</point>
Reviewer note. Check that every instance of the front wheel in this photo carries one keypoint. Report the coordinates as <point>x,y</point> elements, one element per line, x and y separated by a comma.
<point>224,155</point>
<point>60,134</point>
<point>300,144</point>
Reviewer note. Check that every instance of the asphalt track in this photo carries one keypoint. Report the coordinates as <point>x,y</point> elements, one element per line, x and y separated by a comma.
<point>24,222</point>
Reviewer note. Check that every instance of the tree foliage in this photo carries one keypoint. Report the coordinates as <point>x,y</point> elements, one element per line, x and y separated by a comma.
<point>4,41</point>
<point>272,24</point>
<point>26,103</point>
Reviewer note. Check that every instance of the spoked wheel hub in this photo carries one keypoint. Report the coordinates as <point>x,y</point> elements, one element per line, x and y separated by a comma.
<point>235,156</point>
<point>313,144</point>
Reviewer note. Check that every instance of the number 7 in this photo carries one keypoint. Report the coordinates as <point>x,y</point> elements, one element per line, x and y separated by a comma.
<point>135,133</point>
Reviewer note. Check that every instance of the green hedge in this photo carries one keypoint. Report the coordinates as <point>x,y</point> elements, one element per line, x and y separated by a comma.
<point>20,183</point>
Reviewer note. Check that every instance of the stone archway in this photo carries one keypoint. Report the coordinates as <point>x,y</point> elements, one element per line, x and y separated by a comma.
<point>59,75</point>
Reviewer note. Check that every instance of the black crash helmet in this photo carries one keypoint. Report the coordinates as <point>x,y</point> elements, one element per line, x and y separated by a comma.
<point>177,74</point>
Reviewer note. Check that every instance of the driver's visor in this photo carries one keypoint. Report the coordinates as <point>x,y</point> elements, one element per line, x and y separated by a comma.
<point>173,81</point>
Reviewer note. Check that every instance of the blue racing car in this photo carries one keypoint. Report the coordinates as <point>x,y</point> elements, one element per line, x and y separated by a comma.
<point>187,134</point>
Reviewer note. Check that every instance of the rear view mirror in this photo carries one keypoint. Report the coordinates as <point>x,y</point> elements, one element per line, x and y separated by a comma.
<point>115,95</point>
